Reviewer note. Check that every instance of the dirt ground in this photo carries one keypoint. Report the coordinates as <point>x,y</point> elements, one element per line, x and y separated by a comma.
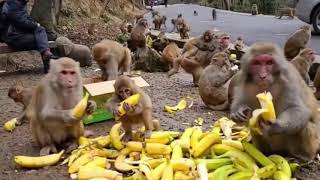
<point>162,90</point>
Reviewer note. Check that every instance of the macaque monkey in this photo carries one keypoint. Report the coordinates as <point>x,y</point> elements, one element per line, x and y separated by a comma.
<point>303,62</point>
<point>111,57</point>
<point>170,52</point>
<point>238,44</point>
<point>297,41</point>
<point>195,13</point>
<point>50,108</point>
<point>183,30</point>
<point>286,11</point>
<point>224,42</point>
<point>295,132</point>
<point>213,82</point>
<point>176,21</point>
<point>254,9</point>
<point>20,94</point>
<point>158,21</point>
<point>138,17</point>
<point>161,42</point>
<point>138,35</point>
<point>135,115</point>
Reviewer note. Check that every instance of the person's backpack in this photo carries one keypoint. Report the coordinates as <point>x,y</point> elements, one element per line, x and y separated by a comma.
<point>3,23</point>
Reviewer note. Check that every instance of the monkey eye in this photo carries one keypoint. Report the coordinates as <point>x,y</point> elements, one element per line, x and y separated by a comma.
<point>72,72</point>
<point>256,63</point>
<point>127,90</point>
<point>64,72</point>
<point>269,62</point>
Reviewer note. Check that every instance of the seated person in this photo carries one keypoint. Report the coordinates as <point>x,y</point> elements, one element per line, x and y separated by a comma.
<point>23,32</point>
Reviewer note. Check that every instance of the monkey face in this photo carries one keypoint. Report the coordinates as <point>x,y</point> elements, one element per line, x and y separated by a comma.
<point>124,93</point>
<point>224,41</point>
<point>15,93</point>
<point>207,36</point>
<point>261,69</point>
<point>68,78</point>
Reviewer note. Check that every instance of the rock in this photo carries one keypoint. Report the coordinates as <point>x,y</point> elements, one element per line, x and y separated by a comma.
<point>148,60</point>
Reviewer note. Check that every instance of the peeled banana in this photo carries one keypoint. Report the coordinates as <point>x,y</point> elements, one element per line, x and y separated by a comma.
<point>79,110</point>
<point>36,162</point>
<point>132,100</point>
<point>10,125</point>
<point>265,100</point>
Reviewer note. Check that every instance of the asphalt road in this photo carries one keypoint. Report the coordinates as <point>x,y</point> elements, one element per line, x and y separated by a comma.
<point>251,28</point>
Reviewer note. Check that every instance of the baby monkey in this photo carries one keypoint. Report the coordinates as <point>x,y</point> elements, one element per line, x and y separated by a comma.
<point>135,115</point>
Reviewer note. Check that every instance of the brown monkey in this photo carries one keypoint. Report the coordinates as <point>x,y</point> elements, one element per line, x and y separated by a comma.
<point>20,94</point>
<point>224,41</point>
<point>176,22</point>
<point>141,113</point>
<point>158,21</point>
<point>183,30</point>
<point>254,9</point>
<point>213,82</point>
<point>170,52</point>
<point>286,11</point>
<point>138,17</point>
<point>238,44</point>
<point>297,41</point>
<point>52,102</point>
<point>303,62</point>
<point>137,35</point>
<point>111,57</point>
<point>296,129</point>
<point>161,42</point>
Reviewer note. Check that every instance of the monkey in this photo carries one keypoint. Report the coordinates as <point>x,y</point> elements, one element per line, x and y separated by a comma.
<point>195,13</point>
<point>303,63</point>
<point>20,94</point>
<point>138,17</point>
<point>160,42</point>
<point>295,132</point>
<point>286,11</point>
<point>140,113</point>
<point>138,35</point>
<point>224,41</point>
<point>183,30</point>
<point>129,28</point>
<point>111,57</point>
<point>254,9</point>
<point>297,41</point>
<point>176,22</point>
<point>52,102</point>
<point>154,13</point>
<point>158,21</point>
<point>170,52</point>
<point>213,82</point>
<point>123,37</point>
<point>238,44</point>
<point>316,82</point>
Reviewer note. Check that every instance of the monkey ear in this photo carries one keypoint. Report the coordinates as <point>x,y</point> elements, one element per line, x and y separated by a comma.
<point>19,89</point>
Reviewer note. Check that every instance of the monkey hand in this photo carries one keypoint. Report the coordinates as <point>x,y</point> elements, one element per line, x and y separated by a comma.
<point>268,128</point>
<point>242,115</point>
<point>91,107</point>
<point>147,134</point>
<point>128,108</point>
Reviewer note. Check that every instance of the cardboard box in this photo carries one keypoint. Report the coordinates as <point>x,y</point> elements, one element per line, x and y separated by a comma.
<point>100,92</point>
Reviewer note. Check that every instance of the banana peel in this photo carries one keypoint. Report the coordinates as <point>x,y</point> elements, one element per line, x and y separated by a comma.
<point>265,100</point>
<point>182,104</point>
<point>10,125</point>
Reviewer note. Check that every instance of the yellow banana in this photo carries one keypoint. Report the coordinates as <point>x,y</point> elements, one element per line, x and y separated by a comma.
<point>182,104</point>
<point>243,158</point>
<point>185,138</point>
<point>115,136</point>
<point>256,154</point>
<point>10,125</point>
<point>157,149</point>
<point>293,167</point>
<point>282,164</point>
<point>156,174</point>
<point>195,137</point>
<point>83,141</point>
<point>153,163</point>
<point>241,175</point>
<point>168,175</point>
<point>134,146</point>
<point>81,161</point>
<point>145,169</point>
<point>109,153</point>
<point>222,148</point>
<point>132,100</point>
<point>280,175</point>
<point>253,121</point>
<point>176,152</point>
<point>79,110</point>
<point>122,166</point>
<point>267,171</point>
<point>233,143</point>
<point>223,172</point>
<point>103,141</point>
<point>136,176</point>
<point>180,175</point>
<point>164,140</point>
<point>205,143</point>
<point>265,100</point>
<point>182,164</point>
<point>214,163</point>
<point>89,172</point>
<point>74,155</point>
<point>99,161</point>
<point>99,178</point>
<point>36,162</point>
<point>202,171</point>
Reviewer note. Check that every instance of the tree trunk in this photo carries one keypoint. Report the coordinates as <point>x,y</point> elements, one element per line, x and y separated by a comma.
<point>227,4</point>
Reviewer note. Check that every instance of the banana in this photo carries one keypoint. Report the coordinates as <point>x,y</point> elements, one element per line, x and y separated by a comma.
<point>36,162</point>
<point>136,176</point>
<point>10,125</point>
<point>280,175</point>
<point>195,137</point>
<point>134,146</point>
<point>253,121</point>
<point>74,155</point>
<point>180,175</point>
<point>89,172</point>
<point>146,171</point>
<point>122,166</point>
<point>241,175</point>
<point>182,164</point>
<point>103,141</point>
<point>182,104</point>
<point>205,143</point>
<point>233,143</point>
<point>83,141</point>
<point>293,167</point>
<point>81,161</point>
<point>214,163</point>
<point>282,164</point>
<point>79,110</point>
<point>109,153</point>
<point>115,136</point>
<point>265,100</point>
<point>241,157</point>
<point>202,171</point>
<point>168,175</point>
<point>267,171</point>
<point>156,174</point>
<point>216,130</point>
<point>153,163</point>
<point>185,138</point>
<point>219,149</point>
<point>132,100</point>
<point>99,161</point>
<point>176,152</point>
<point>157,149</point>
<point>223,172</point>
<point>256,154</point>
<point>164,140</point>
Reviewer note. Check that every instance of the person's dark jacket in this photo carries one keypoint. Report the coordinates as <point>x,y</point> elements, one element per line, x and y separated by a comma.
<point>16,14</point>
<point>4,25</point>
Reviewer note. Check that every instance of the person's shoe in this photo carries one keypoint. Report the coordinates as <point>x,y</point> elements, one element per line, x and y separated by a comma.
<point>46,62</point>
